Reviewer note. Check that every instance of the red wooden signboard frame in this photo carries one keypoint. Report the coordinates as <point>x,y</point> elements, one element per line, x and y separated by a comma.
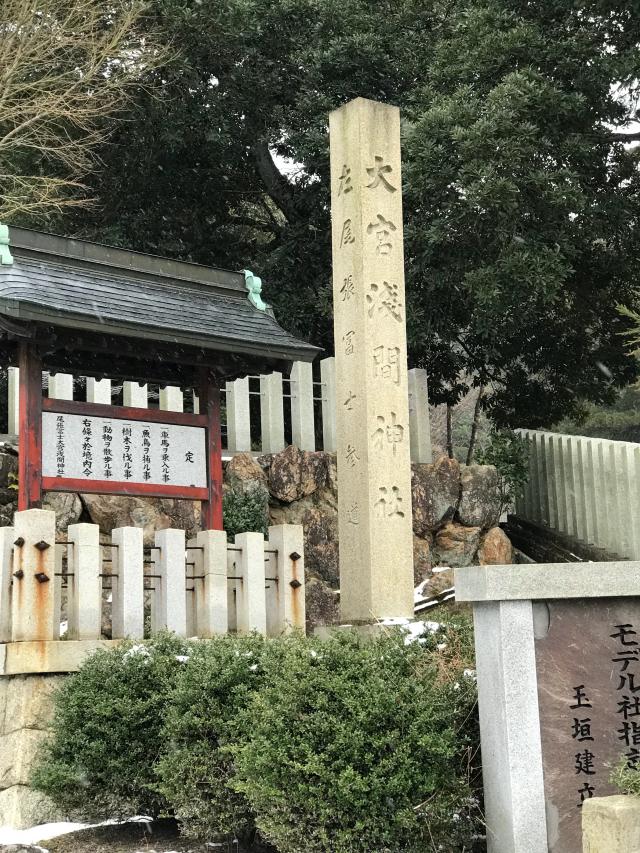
<point>32,484</point>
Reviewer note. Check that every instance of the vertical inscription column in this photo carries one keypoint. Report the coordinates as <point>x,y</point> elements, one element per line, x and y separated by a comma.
<point>374,471</point>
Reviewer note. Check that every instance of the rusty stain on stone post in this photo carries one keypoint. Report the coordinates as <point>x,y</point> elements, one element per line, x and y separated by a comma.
<point>32,614</point>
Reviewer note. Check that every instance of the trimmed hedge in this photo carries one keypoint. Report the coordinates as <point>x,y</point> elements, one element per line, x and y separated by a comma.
<point>105,736</point>
<point>343,745</point>
<point>205,715</point>
<point>357,745</point>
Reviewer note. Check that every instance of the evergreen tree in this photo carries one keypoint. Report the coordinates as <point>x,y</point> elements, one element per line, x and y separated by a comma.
<point>521,202</point>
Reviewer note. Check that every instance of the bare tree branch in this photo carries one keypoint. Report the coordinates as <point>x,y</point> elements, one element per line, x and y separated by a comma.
<point>66,70</point>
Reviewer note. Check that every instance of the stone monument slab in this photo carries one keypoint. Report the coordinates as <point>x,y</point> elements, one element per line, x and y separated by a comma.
<point>558,666</point>
<point>588,673</point>
<point>372,417</point>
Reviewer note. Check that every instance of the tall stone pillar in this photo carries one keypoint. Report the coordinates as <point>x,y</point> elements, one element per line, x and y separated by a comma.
<point>374,470</point>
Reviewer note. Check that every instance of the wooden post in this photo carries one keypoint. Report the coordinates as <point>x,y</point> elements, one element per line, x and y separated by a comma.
<point>30,433</point>
<point>210,408</point>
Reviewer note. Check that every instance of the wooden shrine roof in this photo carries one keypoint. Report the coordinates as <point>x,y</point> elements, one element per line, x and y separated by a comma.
<point>88,288</point>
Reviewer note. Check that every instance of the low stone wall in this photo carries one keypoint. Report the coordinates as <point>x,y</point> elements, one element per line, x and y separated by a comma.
<point>25,712</point>
<point>455,514</point>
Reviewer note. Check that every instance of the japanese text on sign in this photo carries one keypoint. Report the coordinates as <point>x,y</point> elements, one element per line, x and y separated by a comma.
<point>90,448</point>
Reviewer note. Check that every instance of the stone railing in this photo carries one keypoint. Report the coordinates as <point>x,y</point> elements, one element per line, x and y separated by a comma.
<point>586,488</point>
<point>87,589</point>
<point>296,407</point>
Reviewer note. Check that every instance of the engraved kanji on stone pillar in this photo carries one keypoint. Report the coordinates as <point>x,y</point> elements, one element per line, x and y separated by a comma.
<point>372,410</point>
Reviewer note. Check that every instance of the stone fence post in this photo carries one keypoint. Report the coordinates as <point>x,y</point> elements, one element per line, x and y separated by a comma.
<point>271,412</point>
<point>328,395</point>
<point>212,599</point>
<point>419,422</point>
<point>288,542</point>
<point>85,583</point>
<point>238,415</point>
<point>169,559</point>
<point>32,595</point>
<point>127,567</point>
<point>302,420</point>
<point>586,488</point>
<point>251,603</point>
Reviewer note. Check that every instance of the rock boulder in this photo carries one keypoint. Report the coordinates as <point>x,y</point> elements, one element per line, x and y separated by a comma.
<point>495,549</point>
<point>294,474</point>
<point>318,515</point>
<point>435,490</point>
<point>479,496</point>
<point>8,474</point>
<point>422,558</point>
<point>243,473</point>
<point>67,507</point>
<point>322,604</point>
<point>456,545</point>
<point>110,511</point>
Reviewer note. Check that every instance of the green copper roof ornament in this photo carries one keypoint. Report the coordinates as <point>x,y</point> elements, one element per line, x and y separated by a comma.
<point>253,283</point>
<point>6,258</point>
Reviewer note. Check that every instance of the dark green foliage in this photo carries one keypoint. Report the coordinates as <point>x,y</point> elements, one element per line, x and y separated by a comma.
<point>620,421</point>
<point>509,453</point>
<point>521,206</point>
<point>205,716</point>
<point>245,511</point>
<point>625,778</point>
<point>343,745</point>
<point>356,745</point>
<point>105,735</point>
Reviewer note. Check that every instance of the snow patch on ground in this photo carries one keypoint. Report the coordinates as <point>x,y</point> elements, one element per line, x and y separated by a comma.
<point>45,831</point>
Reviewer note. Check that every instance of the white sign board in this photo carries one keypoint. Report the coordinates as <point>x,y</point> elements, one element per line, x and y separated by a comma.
<point>81,447</point>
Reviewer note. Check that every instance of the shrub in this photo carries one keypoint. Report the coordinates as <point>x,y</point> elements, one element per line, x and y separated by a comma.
<point>356,745</point>
<point>626,778</point>
<point>195,771</point>
<point>245,511</point>
<point>344,745</point>
<point>509,453</point>
<point>105,736</point>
